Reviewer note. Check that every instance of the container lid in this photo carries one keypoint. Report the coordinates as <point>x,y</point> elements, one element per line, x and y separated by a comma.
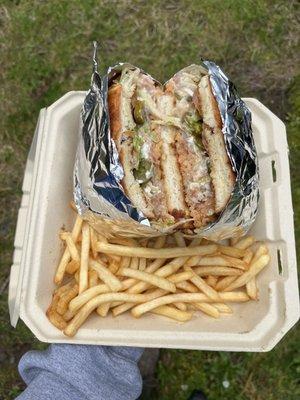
<point>17,268</point>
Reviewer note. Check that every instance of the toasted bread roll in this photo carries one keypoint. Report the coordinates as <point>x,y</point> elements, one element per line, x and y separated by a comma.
<point>120,123</point>
<point>222,175</point>
<point>172,178</point>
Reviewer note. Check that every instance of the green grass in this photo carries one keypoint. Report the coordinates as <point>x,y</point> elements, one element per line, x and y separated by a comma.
<point>46,51</point>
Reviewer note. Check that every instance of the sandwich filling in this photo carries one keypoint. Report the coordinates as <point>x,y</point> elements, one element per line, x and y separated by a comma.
<point>171,146</point>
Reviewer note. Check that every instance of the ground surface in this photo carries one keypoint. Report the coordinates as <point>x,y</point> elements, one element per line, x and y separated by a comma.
<point>45,52</point>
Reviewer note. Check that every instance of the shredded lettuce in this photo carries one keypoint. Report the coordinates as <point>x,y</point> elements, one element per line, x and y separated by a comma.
<point>144,171</point>
<point>137,143</point>
<point>193,126</point>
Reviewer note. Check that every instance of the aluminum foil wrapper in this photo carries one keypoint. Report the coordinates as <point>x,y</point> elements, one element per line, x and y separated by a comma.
<point>98,193</point>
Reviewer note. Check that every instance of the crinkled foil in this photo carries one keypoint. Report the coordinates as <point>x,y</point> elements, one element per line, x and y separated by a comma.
<point>99,195</point>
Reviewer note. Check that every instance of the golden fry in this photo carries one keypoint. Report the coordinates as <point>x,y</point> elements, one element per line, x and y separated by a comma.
<point>134,263</point>
<point>181,306</point>
<point>231,251</point>
<point>245,242</point>
<point>72,267</point>
<point>89,307</point>
<point>212,280</point>
<point>223,283</point>
<point>125,262</point>
<point>94,240</point>
<point>223,308</point>
<point>251,289</point>
<point>106,276</point>
<point>217,271</point>
<point>187,287</point>
<point>142,264</point>
<point>159,242</point>
<point>89,294</point>
<point>179,239</point>
<point>93,278</point>
<point>60,272</point>
<point>71,245</point>
<point>173,313</point>
<point>208,309</point>
<point>137,311</point>
<point>203,286</point>
<point>84,260</point>
<point>103,309</point>
<point>255,267</point>
<point>53,316</point>
<point>149,278</point>
<point>65,299</point>
<point>155,253</point>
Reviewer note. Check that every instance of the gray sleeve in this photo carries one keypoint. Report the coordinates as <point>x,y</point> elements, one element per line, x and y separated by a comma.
<point>69,372</point>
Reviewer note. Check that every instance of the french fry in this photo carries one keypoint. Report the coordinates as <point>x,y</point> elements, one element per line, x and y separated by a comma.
<point>233,241</point>
<point>141,286</point>
<point>187,287</point>
<point>255,267</point>
<point>76,276</point>
<point>215,270</point>
<point>261,250</point>
<point>84,260</point>
<point>142,264</point>
<point>93,278</point>
<point>68,315</point>
<point>65,299</point>
<point>93,242</point>
<point>67,237</point>
<point>113,257</point>
<point>223,261</point>
<point>53,316</point>
<point>231,251</point>
<point>248,257</point>
<point>212,280</point>
<point>89,294</point>
<point>181,306</point>
<point>72,267</point>
<point>179,239</point>
<point>251,286</point>
<point>134,263</point>
<point>181,276</point>
<point>223,283</point>
<point>124,241</point>
<point>159,242</point>
<point>208,309</point>
<point>155,253</point>
<point>60,272</point>
<point>127,306</point>
<point>223,308</point>
<point>251,289</point>
<point>144,242</point>
<point>63,289</point>
<point>125,262</point>
<point>155,265</point>
<point>245,242</point>
<point>203,286</point>
<point>103,309</point>
<point>106,276</point>
<point>173,313</point>
<point>154,280</point>
<point>89,307</point>
<point>113,265</point>
<point>122,308</point>
<point>140,309</point>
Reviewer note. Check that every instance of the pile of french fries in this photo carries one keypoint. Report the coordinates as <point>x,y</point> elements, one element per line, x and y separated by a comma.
<point>169,275</point>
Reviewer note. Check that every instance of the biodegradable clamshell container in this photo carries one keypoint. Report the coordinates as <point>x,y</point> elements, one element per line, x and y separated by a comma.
<point>47,191</point>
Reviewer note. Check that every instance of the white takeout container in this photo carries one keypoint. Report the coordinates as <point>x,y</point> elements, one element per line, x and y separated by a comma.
<point>47,191</point>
